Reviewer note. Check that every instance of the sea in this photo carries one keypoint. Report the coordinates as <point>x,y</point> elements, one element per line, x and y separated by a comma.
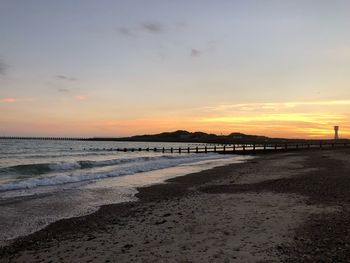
<point>42,181</point>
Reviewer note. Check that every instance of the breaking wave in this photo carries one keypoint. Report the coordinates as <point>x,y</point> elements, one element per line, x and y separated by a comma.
<point>42,168</point>
<point>71,172</point>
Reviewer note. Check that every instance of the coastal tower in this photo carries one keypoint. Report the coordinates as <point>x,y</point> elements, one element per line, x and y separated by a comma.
<point>336,135</point>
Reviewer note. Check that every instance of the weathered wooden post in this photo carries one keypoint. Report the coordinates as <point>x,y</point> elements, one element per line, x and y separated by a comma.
<point>224,148</point>
<point>196,149</point>
<point>188,149</point>
<point>243,146</point>
<point>234,147</point>
<point>206,149</point>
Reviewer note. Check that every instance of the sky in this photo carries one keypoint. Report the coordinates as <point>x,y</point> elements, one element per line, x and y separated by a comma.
<point>117,68</point>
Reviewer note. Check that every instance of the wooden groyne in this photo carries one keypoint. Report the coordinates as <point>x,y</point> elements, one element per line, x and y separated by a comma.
<point>236,148</point>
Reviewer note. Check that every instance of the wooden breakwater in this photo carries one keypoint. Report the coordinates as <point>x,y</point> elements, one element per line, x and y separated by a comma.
<point>236,148</point>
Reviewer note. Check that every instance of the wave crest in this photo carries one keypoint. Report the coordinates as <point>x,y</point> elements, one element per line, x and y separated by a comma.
<point>142,164</point>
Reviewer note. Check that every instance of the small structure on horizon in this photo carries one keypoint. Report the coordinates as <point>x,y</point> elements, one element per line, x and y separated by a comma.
<point>336,134</point>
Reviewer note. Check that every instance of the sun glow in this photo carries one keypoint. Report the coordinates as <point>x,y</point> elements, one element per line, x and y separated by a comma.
<point>285,119</point>
<point>322,119</point>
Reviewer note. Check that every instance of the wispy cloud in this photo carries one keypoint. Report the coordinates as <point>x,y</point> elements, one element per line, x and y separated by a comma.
<point>321,119</point>
<point>3,67</point>
<point>125,31</point>
<point>14,100</point>
<point>145,27</point>
<point>273,106</point>
<point>64,77</point>
<point>63,90</point>
<point>195,52</point>
<point>151,27</point>
<point>62,82</point>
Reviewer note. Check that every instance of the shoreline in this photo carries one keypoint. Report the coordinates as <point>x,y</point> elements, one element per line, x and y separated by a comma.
<point>122,188</point>
<point>148,193</point>
<point>289,180</point>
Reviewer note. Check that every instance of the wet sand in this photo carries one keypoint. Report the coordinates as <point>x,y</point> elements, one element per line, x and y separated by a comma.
<point>285,207</point>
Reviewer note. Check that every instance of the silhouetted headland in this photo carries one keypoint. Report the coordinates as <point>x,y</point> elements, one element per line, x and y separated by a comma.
<point>185,136</point>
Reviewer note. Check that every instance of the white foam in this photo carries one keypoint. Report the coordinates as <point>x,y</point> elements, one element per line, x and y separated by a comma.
<point>63,166</point>
<point>141,164</point>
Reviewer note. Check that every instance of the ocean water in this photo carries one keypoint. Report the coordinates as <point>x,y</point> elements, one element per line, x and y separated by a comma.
<point>44,181</point>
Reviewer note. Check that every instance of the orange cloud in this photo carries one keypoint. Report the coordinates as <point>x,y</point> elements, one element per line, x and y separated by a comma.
<point>8,100</point>
<point>323,119</point>
<point>274,106</point>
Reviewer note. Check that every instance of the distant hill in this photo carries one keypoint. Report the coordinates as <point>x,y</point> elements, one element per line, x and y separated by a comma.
<point>202,137</point>
<point>185,136</point>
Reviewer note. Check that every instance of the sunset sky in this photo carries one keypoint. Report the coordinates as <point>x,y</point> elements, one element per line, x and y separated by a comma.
<point>115,68</point>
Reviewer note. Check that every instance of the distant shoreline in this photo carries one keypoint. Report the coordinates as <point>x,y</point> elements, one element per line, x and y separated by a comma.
<point>151,138</point>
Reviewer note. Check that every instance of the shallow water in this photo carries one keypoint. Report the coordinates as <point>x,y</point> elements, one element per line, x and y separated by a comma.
<point>43,181</point>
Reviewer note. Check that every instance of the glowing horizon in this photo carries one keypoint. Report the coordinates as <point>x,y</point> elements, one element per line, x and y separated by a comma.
<point>266,119</point>
<point>122,68</point>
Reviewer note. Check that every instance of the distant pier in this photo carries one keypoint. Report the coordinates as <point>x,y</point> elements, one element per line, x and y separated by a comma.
<point>45,138</point>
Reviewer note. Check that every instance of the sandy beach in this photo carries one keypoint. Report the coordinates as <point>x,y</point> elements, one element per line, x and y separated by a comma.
<point>284,207</point>
<point>174,131</point>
